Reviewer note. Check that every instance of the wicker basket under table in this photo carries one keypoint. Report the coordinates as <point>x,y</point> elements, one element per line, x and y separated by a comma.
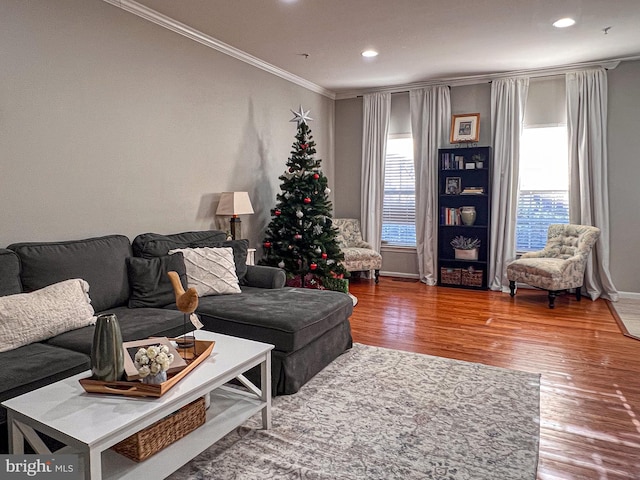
<point>163,433</point>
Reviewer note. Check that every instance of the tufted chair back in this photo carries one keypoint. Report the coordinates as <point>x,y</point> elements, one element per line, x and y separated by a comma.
<point>567,240</point>
<point>349,233</point>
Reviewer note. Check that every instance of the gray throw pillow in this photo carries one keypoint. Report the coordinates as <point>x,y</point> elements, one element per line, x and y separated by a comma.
<point>150,284</point>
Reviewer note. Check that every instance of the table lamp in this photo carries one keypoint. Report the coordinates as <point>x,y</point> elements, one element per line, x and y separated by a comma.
<point>234,204</point>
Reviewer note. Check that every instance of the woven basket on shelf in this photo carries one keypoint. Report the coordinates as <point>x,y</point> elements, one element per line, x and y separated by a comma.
<point>163,433</point>
<point>450,276</point>
<point>472,278</point>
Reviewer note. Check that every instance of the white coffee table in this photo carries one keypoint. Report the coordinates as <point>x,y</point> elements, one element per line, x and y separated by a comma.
<point>92,423</point>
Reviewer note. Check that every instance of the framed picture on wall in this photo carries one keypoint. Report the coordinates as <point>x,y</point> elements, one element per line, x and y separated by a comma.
<point>465,128</point>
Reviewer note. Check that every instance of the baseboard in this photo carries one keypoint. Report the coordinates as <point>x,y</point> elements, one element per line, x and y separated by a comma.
<point>400,275</point>
<point>635,295</point>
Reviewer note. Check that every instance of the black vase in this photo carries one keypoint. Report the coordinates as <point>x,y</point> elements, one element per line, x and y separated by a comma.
<point>107,356</point>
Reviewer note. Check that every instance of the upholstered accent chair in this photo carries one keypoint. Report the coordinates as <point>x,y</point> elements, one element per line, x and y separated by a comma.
<point>359,256</point>
<point>560,265</point>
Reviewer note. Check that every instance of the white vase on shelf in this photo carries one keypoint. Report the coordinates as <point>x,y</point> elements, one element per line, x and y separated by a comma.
<point>468,215</point>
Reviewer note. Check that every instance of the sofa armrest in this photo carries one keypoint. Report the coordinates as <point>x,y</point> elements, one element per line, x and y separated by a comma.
<point>265,277</point>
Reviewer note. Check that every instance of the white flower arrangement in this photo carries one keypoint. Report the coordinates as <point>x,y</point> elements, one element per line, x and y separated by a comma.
<point>153,360</point>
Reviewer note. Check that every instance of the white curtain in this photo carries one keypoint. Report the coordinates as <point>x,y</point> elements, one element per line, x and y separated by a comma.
<point>508,100</point>
<point>588,190</point>
<point>430,117</point>
<point>376,109</point>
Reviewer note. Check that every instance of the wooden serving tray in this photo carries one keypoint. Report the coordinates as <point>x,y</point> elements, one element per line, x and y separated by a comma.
<point>136,388</point>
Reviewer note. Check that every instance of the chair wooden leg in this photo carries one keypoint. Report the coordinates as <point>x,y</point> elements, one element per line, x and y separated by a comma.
<point>377,275</point>
<point>578,293</point>
<point>512,288</point>
<point>552,298</point>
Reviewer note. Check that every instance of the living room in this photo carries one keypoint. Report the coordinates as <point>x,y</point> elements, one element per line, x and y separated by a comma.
<point>112,124</point>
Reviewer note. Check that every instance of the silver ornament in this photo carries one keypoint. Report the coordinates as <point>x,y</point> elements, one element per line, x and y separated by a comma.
<point>281,264</point>
<point>299,214</point>
<point>327,190</point>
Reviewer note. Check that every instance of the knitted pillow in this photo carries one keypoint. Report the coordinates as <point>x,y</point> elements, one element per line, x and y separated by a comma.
<point>211,271</point>
<point>32,317</point>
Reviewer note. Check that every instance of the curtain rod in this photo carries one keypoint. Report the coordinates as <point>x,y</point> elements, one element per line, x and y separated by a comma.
<point>488,78</point>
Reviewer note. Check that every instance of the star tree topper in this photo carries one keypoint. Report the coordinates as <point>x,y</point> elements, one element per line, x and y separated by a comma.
<point>301,116</point>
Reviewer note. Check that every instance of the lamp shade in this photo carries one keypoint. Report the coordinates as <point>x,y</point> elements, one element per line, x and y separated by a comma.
<point>234,203</point>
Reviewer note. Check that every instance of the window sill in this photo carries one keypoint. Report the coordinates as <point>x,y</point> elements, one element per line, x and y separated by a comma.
<point>397,249</point>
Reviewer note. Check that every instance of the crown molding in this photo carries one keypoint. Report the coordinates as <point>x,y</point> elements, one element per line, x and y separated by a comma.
<point>169,23</point>
<point>488,78</point>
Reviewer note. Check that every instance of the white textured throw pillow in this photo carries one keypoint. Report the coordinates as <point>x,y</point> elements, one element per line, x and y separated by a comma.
<point>211,271</point>
<point>31,317</point>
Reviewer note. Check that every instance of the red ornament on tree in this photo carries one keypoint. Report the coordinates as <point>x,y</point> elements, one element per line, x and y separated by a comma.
<point>277,213</point>
<point>316,176</point>
<point>291,170</point>
<point>307,200</point>
<point>297,236</point>
<point>267,244</point>
<point>324,256</point>
<point>313,266</point>
<point>304,146</point>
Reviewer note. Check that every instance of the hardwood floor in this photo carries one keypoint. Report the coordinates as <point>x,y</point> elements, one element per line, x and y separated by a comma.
<point>590,372</point>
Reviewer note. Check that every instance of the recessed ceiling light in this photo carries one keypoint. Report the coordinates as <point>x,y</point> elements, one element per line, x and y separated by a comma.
<point>564,22</point>
<point>369,53</point>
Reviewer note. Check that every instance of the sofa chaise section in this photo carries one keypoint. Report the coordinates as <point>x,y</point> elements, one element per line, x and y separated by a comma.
<point>309,328</point>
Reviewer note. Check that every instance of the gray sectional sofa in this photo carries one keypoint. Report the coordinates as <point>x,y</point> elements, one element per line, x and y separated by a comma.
<point>309,328</point>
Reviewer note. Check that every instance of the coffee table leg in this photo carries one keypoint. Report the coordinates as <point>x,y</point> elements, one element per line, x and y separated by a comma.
<point>265,382</point>
<point>16,439</point>
<point>92,465</point>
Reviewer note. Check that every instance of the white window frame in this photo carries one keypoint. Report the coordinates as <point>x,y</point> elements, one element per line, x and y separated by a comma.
<point>520,251</point>
<point>407,218</point>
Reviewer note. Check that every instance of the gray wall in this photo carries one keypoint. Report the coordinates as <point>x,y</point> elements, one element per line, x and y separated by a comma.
<point>348,157</point>
<point>110,124</point>
<point>624,167</point>
<point>624,175</point>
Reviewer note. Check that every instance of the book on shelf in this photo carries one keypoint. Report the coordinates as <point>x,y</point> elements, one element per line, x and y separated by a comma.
<point>450,216</point>
<point>451,161</point>
<point>472,191</point>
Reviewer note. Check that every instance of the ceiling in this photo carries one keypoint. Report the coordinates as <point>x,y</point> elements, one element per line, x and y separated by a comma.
<point>418,40</point>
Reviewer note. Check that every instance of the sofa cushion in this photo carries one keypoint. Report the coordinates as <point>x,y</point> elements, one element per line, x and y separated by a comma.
<point>288,318</point>
<point>9,273</point>
<point>135,324</point>
<point>31,317</point>
<point>149,245</point>
<point>36,365</point>
<point>99,261</point>
<point>150,284</point>
<point>211,271</point>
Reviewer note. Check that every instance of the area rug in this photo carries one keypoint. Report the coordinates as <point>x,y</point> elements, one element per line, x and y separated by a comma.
<point>354,299</point>
<point>626,311</point>
<point>376,413</point>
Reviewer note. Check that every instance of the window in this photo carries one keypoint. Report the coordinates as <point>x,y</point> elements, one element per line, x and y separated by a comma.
<point>544,185</point>
<point>399,205</point>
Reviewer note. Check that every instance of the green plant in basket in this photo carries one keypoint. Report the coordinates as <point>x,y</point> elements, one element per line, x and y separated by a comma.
<point>461,242</point>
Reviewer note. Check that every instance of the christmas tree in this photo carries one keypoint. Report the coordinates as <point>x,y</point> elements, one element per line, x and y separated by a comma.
<point>300,238</point>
